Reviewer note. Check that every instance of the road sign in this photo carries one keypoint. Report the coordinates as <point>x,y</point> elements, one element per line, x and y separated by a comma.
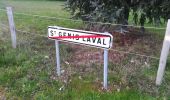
<point>96,39</point>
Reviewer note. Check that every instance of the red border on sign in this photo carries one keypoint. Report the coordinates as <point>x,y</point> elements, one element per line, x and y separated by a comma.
<point>82,36</point>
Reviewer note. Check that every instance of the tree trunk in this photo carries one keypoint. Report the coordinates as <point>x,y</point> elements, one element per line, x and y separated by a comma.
<point>127,10</point>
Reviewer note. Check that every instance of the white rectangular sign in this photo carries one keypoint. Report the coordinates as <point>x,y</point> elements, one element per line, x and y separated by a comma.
<point>96,39</point>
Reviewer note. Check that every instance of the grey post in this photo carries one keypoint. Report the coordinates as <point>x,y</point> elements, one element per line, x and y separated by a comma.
<point>57,57</point>
<point>164,55</point>
<point>12,26</point>
<point>105,68</point>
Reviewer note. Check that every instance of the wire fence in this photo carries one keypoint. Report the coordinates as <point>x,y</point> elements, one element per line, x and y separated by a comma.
<point>57,18</point>
<point>49,18</point>
<point>133,60</point>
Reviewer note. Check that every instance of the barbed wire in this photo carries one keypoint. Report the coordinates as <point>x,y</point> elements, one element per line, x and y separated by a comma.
<point>125,52</point>
<point>3,9</point>
<point>31,33</point>
<point>141,55</point>
<point>110,49</point>
<point>4,25</point>
<point>48,17</point>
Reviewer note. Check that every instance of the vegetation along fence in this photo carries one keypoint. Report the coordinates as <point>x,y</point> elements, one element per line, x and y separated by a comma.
<point>133,59</point>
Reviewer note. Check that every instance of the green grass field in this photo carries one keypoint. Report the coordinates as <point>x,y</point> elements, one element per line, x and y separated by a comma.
<point>28,72</point>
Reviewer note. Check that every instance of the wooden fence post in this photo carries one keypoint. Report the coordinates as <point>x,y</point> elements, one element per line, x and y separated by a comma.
<point>12,26</point>
<point>164,55</point>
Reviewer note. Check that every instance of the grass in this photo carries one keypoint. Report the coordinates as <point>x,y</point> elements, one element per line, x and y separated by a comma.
<point>18,75</point>
<point>28,71</point>
<point>42,8</point>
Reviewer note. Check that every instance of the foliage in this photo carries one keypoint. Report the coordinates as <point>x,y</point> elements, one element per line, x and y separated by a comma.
<point>24,79</point>
<point>154,11</point>
<point>26,73</point>
<point>118,11</point>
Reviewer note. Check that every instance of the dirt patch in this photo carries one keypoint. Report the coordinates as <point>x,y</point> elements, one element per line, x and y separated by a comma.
<point>132,42</point>
<point>2,94</point>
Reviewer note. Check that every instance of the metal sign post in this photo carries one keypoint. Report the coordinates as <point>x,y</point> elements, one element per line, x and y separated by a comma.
<point>94,39</point>
<point>57,57</point>
<point>105,68</point>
